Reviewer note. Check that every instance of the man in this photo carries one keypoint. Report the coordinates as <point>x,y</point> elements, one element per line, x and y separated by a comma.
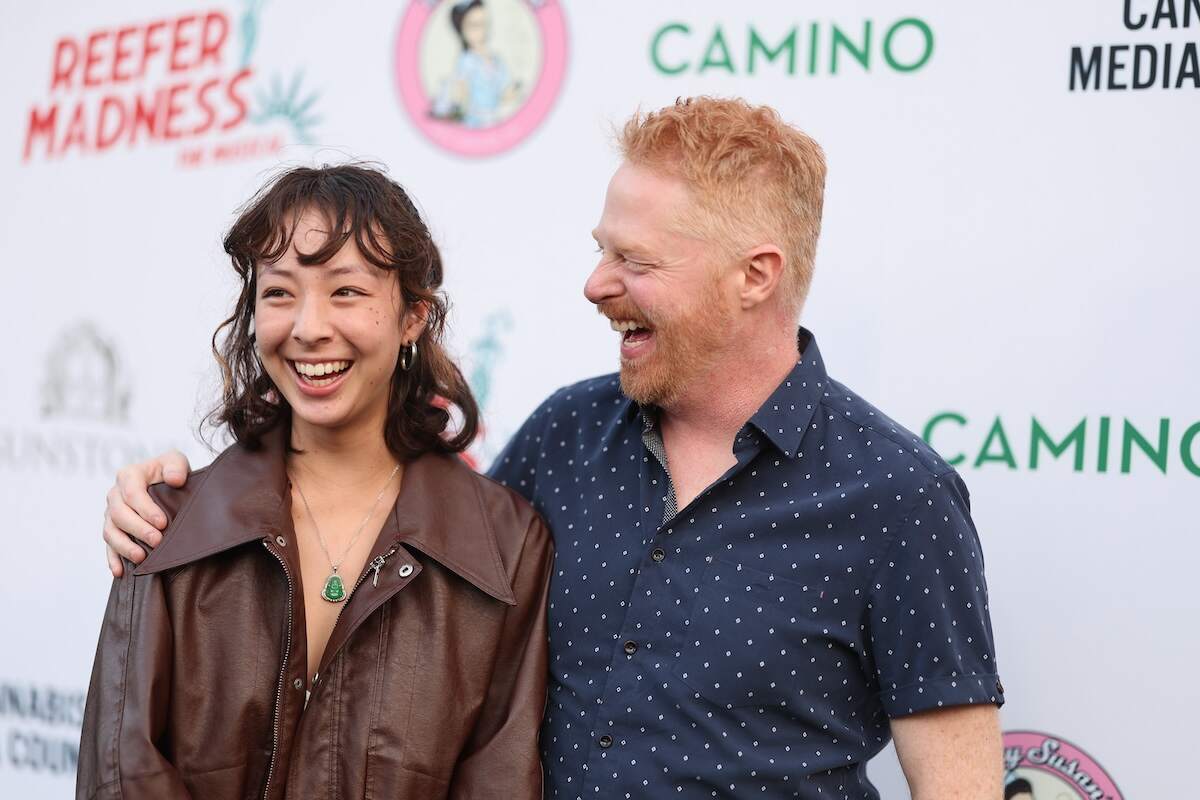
<point>760,578</point>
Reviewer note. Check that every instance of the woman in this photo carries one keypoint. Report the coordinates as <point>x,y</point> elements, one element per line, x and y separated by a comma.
<point>481,85</point>
<point>340,607</point>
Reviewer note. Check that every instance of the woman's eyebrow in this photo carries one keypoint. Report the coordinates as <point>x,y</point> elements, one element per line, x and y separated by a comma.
<point>347,269</point>
<point>336,272</point>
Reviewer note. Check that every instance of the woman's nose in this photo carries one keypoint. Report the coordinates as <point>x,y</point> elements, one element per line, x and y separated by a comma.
<point>311,324</point>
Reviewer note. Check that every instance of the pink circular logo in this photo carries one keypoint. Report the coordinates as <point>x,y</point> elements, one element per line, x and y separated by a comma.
<point>478,76</point>
<point>1040,766</point>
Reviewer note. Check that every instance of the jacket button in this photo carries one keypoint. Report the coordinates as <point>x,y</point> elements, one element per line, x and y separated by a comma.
<point>282,542</point>
<point>299,684</point>
<point>658,554</point>
<point>606,741</point>
<point>406,570</point>
<point>630,648</point>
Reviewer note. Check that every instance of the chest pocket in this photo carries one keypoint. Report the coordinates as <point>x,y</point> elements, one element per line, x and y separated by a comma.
<point>752,637</point>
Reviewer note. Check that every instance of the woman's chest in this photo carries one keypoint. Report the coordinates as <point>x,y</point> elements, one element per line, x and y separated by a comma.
<point>332,560</point>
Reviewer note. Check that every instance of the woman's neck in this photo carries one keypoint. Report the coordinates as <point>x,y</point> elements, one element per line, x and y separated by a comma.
<point>340,457</point>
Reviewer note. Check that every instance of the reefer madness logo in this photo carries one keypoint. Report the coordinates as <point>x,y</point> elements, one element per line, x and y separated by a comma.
<point>189,79</point>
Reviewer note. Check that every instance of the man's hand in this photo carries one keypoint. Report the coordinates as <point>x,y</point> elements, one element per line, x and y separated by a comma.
<point>951,752</point>
<point>131,514</point>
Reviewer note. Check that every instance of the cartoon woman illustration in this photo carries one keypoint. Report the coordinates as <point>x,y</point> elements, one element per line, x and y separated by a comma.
<point>481,85</point>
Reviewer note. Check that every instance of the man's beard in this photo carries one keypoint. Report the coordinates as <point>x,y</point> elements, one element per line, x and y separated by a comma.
<point>685,348</point>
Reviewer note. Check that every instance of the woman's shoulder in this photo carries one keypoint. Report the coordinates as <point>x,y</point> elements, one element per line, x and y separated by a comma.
<point>509,515</point>
<point>173,498</point>
<point>235,468</point>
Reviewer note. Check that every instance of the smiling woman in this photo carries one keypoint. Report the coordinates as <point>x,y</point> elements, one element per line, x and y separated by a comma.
<point>338,246</point>
<point>299,569</point>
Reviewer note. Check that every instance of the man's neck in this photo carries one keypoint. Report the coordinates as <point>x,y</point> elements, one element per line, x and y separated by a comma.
<point>716,405</point>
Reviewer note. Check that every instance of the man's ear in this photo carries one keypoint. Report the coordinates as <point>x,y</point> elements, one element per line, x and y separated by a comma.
<point>762,274</point>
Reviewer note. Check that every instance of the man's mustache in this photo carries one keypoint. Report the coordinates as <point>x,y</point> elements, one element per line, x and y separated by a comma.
<point>623,312</point>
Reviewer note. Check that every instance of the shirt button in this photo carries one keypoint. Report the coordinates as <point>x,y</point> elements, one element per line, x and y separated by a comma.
<point>282,542</point>
<point>299,684</point>
<point>658,554</point>
<point>630,648</point>
<point>606,741</point>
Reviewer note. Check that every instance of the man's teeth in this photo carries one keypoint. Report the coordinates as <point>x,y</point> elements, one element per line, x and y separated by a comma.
<point>319,369</point>
<point>624,326</point>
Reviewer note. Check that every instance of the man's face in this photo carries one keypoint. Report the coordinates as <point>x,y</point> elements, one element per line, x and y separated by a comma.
<point>661,288</point>
<point>329,335</point>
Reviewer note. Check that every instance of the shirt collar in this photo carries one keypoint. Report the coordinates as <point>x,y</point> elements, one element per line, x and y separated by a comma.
<point>243,495</point>
<point>787,413</point>
<point>785,416</point>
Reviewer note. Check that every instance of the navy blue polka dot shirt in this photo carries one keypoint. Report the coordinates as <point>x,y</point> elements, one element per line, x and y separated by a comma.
<point>756,642</point>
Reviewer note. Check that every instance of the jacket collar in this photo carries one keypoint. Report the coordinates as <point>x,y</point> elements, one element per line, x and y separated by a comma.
<point>243,496</point>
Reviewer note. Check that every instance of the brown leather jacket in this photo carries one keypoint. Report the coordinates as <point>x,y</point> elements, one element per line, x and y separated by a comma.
<point>432,684</point>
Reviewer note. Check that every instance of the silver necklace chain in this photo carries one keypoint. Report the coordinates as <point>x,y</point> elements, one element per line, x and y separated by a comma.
<point>361,526</point>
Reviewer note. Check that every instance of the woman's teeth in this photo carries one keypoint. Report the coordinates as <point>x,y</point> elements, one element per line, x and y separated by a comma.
<point>315,373</point>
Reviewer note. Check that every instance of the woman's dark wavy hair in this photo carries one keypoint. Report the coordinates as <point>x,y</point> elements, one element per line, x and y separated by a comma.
<point>459,13</point>
<point>1016,787</point>
<point>364,205</point>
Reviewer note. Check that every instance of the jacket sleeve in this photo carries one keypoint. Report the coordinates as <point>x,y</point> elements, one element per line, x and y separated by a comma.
<point>502,760</point>
<point>125,718</point>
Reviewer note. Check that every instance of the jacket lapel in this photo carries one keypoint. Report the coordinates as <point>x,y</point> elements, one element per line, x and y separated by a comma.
<point>240,497</point>
<point>440,512</point>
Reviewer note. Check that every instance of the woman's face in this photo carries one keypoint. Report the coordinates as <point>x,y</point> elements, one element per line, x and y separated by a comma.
<point>475,27</point>
<point>329,335</point>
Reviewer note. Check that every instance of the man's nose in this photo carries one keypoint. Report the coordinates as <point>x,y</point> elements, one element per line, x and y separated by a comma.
<point>311,324</point>
<point>604,283</point>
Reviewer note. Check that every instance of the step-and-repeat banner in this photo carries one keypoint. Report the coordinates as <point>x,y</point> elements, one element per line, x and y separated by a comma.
<point>1009,266</point>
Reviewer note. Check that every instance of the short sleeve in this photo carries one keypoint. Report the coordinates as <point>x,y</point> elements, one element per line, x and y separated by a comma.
<point>930,633</point>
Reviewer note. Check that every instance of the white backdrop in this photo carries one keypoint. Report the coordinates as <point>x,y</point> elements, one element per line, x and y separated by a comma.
<point>997,247</point>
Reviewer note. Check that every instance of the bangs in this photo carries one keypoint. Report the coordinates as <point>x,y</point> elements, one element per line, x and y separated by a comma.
<point>355,205</point>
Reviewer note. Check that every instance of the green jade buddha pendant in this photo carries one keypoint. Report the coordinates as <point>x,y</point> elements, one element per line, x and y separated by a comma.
<point>334,590</point>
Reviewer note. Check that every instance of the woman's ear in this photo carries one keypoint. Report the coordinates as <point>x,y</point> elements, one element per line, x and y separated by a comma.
<point>415,317</point>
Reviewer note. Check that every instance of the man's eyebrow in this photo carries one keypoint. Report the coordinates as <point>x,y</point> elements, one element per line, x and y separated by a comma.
<point>609,245</point>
